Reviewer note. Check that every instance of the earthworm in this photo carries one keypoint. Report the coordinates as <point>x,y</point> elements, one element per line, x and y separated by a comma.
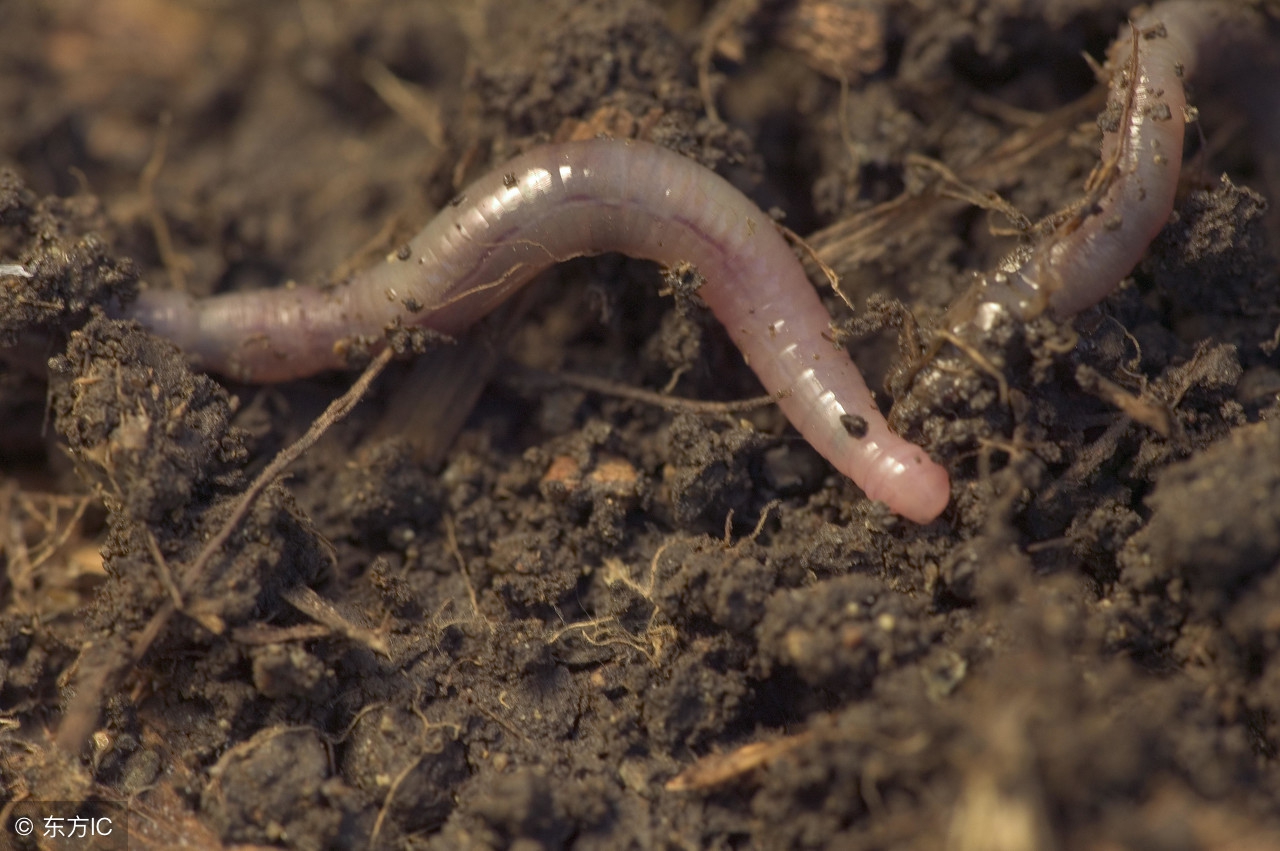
<point>549,205</point>
<point>1131,193</point>
<point>582,198</point>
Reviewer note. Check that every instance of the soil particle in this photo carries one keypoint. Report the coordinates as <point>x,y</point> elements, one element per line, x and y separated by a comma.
<point>710,471</point>
<point>66,265</point>
<point>1235,543</point>
<point>836,636</point>
<point>409,767</point>
<point>704,691</point>
<point>521,810</point>
<point>384,495</point>
<point>702,583</point>
<point>155,437</point>
<point>276,787</point>
<point>280,672</point>
<point>1215,269</point>
<point>157,443</point>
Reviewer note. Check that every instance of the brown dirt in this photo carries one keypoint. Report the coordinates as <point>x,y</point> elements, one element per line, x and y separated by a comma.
<point>509,612</point>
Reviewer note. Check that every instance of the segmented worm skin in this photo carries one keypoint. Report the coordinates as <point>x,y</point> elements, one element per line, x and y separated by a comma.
<point>552,204</point>
<point>1083,261</point>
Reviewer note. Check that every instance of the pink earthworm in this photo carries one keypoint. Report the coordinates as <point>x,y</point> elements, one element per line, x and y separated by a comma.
<point>1131,193</point>
<point>549,205</point>
<point>584,198</point>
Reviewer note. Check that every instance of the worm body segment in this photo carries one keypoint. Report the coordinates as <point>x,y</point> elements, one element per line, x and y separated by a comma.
<point>568,200</point>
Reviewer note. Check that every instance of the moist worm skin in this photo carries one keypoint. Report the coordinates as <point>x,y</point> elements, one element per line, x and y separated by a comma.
<point>552,204</point>
<point>1082,261</point>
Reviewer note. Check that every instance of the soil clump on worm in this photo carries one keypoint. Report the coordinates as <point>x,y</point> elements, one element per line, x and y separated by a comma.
<point>549,616</point>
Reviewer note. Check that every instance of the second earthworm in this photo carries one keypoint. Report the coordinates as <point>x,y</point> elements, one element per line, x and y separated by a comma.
<point>1131,194</point>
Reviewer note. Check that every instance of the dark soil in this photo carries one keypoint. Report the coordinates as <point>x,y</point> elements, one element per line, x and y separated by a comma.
<point>493,609</point>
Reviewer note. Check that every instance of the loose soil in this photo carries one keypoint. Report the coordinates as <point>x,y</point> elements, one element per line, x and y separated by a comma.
<point>501,607</point>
